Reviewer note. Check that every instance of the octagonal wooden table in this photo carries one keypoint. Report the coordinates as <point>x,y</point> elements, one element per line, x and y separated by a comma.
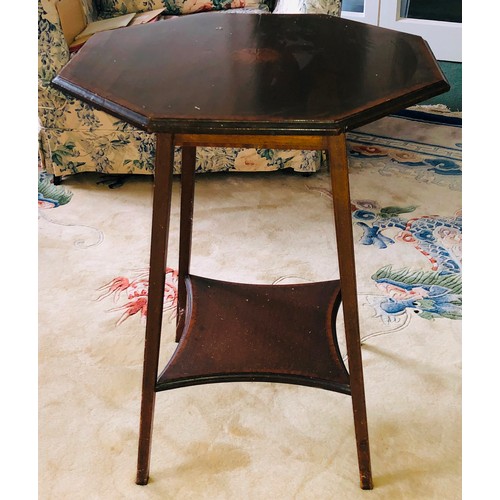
<point>268,81</point>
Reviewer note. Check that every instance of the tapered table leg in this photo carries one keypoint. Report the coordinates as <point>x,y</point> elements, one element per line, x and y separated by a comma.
<point>186,231</point>
<point>337,154</point>
<point>159,244</point>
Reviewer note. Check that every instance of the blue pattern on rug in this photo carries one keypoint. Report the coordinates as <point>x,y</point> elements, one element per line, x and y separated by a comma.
<point>428,163</point>
<point>433,294</point>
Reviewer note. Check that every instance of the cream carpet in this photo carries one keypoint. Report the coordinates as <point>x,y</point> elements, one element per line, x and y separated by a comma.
<point>244,440</point>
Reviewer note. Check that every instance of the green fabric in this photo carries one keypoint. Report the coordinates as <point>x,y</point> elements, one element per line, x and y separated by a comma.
<point>453,98</point>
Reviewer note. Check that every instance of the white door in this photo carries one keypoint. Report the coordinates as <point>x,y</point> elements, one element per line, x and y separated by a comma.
<point>365,11</point>
<point>444,37</point>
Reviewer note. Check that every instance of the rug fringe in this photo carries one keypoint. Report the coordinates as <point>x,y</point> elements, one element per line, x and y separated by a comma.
<point>435,108</point>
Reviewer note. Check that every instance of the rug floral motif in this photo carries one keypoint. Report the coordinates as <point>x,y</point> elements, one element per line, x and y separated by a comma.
<point>425,162</point>
<point>132,294</point>
<point>434,292</point>
<point>430,294</point>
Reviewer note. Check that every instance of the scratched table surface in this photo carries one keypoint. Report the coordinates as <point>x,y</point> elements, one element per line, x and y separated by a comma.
<point>252,73</point>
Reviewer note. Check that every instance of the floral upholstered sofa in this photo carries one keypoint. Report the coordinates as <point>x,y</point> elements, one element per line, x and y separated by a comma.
<point>74,137</point>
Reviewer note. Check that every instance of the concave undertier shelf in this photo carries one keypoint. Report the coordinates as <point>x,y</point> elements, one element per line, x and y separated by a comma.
<point>269,333</point>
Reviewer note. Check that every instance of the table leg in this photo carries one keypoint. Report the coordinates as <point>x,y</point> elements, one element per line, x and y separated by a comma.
<point>159,244</point>
<point>338,162</point>
<point>186,231</point>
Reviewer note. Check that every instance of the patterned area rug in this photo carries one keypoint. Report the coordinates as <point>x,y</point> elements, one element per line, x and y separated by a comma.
<point>259,440</point>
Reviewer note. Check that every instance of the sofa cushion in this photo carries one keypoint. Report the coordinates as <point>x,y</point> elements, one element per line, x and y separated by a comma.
<point>330,7</point>
<point>174,7</point>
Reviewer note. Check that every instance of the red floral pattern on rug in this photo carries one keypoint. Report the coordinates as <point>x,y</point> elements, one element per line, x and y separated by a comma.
<point>132,294</point>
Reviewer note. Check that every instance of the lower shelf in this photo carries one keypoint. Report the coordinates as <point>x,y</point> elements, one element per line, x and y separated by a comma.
<point>266,333</point>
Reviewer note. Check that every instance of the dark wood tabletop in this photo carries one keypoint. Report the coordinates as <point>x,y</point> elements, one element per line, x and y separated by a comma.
<point>252,73</point>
